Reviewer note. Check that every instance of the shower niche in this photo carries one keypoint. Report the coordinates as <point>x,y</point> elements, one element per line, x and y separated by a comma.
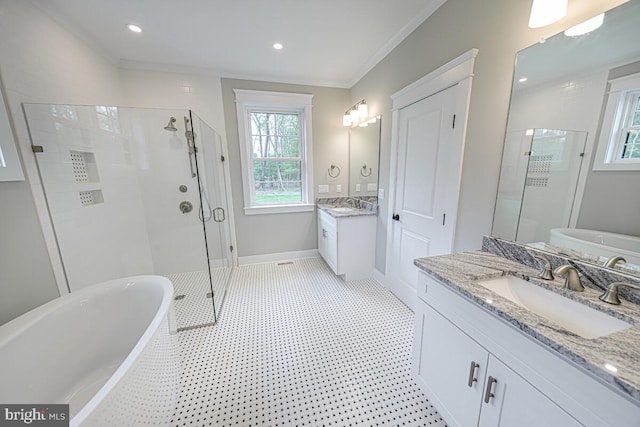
<point>112,179</point>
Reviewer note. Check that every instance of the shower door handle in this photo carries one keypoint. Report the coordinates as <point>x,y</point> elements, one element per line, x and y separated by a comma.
<point>215,216</point>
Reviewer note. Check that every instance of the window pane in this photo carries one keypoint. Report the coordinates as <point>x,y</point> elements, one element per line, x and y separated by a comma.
<point>277,182</point>
<point>636,113</point>
<point>631,149</point>
<point>275,134</point>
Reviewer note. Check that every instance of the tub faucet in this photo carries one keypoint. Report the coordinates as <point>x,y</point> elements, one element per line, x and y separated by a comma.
<point>571,277</point>
<point>611,294</point>
<point>546,273</point>
<point>611,262</point>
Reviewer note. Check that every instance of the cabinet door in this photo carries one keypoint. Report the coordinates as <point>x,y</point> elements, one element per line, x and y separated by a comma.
<point>328,240</point>
<point>515,402</point>
<point>445,362</point>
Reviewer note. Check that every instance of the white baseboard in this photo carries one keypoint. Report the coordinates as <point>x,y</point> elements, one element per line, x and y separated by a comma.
<point>282,256</point>
<point>380,277</point>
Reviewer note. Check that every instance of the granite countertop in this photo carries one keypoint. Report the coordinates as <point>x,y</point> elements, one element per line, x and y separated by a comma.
<point>461,272</point>
<point>329,208</point>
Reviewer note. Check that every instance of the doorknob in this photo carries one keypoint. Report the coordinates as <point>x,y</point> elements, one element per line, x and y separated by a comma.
<point>395,217</point>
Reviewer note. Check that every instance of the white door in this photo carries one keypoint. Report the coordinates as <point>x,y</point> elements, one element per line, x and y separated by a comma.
<point>426,187</point>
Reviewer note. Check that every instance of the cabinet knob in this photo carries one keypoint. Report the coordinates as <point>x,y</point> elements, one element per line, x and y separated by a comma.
<point>472,373</point>
<point>324,233</point>
<point>487,393</point>
<point>395,217</point>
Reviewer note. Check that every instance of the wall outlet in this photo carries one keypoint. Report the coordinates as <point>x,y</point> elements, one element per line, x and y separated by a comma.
<point>358,188</point>
<point>323,189</point>
<point>338,188</point>
<point>381,193</point>
<point>372,187</point>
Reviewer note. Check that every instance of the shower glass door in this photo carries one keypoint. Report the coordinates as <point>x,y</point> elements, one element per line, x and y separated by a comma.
<point>215,209</point>
<point>124,194</point>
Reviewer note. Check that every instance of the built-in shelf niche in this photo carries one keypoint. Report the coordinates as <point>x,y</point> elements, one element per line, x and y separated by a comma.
<point>85,173</point>
<point>90,198</point>
<point>84,165</point>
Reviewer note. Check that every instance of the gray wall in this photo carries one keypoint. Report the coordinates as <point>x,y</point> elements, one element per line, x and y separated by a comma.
<point>498,28</point>
<point>275,233</point>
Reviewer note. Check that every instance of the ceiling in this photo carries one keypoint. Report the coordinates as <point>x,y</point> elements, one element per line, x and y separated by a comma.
<point>326,42</point>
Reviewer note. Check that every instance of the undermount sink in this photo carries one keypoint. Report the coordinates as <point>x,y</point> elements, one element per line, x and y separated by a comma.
<point>569,314</point>
<point>342,209</point>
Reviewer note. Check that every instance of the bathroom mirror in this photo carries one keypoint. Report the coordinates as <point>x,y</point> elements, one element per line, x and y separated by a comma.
<point>364,153</point>
<point>557,138</point>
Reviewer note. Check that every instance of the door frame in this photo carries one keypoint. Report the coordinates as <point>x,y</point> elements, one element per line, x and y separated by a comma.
<point>458,72</point>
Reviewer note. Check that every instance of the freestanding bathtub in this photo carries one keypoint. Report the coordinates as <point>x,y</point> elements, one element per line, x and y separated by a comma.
<point>598,243</point>
<point>107,350</point>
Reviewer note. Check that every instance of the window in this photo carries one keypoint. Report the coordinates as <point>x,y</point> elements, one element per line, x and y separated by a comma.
<point>276,150</point>
<point>619,144</point>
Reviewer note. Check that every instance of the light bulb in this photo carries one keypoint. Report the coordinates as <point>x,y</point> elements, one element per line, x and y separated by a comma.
<point>586,26</point>
<point>363,111</point>
<point>346,120</point>
<point>546,12</point>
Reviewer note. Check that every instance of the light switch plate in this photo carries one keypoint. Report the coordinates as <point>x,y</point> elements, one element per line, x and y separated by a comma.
<point>323,189</point>
<point>338,188</point>
<point>358,187</point>
<point>381,193</point>
<point>372,187</point>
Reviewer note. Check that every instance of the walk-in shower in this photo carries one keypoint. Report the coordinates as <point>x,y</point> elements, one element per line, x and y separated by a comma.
<point>126,197</point>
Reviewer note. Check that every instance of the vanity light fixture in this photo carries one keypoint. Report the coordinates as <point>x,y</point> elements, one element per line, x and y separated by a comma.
<point>546,12</point>
<point>585,27</point>
<point>134,28</point>
<point>354,115</point>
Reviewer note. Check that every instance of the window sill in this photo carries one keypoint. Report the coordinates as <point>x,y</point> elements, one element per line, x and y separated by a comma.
<point>274,209</point>
<point>619,167</point>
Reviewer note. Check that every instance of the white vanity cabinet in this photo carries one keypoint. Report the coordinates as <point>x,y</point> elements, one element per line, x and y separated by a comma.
<point>479,371</point>
<point>347,244</point>
<point>472,387</point>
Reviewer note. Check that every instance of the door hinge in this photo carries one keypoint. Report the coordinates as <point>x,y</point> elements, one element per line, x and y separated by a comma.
<point>444,217</point>
<point>37,148</point>
<point>581,154</point>
<point>222,158</point>
<point>454,122</point>
<point>231,248</point>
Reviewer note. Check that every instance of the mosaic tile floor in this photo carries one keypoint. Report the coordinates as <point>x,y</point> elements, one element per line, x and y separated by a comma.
<point>296,346</point>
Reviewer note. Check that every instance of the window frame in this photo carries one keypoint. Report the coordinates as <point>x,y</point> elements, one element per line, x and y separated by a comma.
<point>616,115</point>
<point>248,101</point>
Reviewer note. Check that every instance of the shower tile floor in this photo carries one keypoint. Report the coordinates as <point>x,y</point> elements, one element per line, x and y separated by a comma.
<point>296,346</point>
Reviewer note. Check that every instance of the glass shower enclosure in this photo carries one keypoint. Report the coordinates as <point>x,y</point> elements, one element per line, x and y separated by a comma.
<point>133,191</point>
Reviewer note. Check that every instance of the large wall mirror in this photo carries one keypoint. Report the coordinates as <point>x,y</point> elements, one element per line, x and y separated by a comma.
<point>364,154</point>
<point>570,175</point>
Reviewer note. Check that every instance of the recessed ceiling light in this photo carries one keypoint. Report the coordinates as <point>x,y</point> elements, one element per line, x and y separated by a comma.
<point>134,28</point>
<point>522,80</point>
<point>278,46</point>
<point>610,367</point>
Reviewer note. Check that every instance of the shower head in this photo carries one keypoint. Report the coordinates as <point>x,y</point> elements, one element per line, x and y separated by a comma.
<point>170,127</point>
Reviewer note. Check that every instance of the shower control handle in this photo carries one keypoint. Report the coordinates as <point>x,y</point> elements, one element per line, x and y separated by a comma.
<point>186,207</point>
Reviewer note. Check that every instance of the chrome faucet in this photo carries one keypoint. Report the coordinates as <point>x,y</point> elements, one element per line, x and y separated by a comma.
<point>611,294</point>
<point>351,202</point>
<point>546,273</point>
<point>611,262</point>
<point>572,278</point>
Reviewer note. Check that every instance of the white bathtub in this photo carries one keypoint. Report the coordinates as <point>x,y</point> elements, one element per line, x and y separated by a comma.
<point>598,243</point>
<point>106,350</point>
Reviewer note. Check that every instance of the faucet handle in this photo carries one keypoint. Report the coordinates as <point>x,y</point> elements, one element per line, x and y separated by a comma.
<point>546,273</point>
<point>611,262</point>
<point>572,277</point>
<point>610,295</point>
